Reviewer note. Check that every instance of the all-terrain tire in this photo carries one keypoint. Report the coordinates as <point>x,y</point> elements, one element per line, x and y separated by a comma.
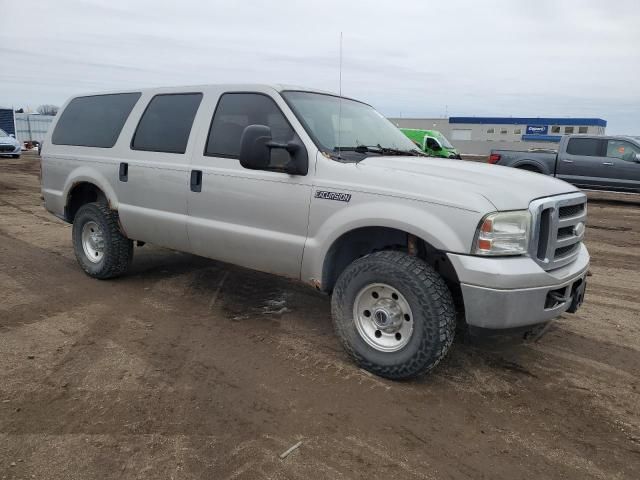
<point>429,299</point>
<point>118,249</point>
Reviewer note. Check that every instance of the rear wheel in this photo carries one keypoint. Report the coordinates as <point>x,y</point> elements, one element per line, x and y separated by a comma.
<point>394,314</point>
<point>101,249</point>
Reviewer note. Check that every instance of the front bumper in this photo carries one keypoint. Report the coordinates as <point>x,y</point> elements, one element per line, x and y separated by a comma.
<point>6,149</point>
<point>501,293</point>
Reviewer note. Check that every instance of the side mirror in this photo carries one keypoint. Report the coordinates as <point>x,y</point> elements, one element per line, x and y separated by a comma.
<point>256,144</point>
<point>637,158</point>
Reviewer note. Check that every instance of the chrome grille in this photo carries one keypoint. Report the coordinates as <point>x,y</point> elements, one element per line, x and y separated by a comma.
<point>556,233</point>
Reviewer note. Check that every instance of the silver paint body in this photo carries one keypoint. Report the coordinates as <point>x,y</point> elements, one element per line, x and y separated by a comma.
<point>271,221</point>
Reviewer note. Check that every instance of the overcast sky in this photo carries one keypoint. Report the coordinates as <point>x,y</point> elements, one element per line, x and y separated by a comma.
<point>406,57</point>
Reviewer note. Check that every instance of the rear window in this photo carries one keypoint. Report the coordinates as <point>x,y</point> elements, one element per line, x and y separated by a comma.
<point>166,123</point>
<point>94,121</point>
<point>589,147</point>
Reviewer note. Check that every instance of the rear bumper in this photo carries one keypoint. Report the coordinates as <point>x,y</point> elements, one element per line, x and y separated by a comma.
<point>516,292</point>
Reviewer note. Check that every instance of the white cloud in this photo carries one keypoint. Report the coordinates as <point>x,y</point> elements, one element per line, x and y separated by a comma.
<point>495,57</point>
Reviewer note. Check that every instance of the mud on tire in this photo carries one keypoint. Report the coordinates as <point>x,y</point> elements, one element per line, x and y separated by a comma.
<point>117,250</point>
<point>430,301</point>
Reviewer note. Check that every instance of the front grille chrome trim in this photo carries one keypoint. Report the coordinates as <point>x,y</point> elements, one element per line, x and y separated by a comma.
<point>545,247</point>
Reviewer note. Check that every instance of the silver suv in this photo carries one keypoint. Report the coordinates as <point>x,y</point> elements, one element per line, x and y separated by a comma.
<point>323,189</point>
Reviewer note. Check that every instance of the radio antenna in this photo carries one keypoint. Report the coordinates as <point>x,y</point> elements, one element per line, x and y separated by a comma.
<point>340,97</point>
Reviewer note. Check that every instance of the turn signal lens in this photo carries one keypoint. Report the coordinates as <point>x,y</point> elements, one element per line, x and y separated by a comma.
<point>503,233</point>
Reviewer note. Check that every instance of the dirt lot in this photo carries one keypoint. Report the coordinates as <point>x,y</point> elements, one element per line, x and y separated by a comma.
<point>189,368</point>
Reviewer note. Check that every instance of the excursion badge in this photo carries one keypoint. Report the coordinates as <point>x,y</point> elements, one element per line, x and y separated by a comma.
<point>338,196</point>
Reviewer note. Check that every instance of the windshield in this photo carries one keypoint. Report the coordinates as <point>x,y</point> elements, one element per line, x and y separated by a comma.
<point>350,127</point>
<point>3,133</point>
<point>443,141</point>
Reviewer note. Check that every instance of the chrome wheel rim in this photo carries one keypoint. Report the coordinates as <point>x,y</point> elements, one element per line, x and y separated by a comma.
<point>383,317</point>
<point>93,242</point>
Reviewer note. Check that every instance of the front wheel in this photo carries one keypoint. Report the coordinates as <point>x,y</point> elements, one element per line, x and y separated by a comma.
<point>394,314</point>
<point>101,249</point>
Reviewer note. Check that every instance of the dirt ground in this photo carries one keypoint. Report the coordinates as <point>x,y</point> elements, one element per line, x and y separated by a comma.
<point>190,368</point>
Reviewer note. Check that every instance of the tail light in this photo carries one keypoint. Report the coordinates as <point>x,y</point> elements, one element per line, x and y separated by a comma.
<point>494,158</point>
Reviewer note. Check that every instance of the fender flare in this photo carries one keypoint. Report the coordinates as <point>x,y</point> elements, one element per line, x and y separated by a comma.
<point>87,174</point>
<point>413,219</point>
<point>532,163</point>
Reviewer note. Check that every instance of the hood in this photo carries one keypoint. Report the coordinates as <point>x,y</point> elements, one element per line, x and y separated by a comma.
<point>8,141</point>
<point>463,183</point>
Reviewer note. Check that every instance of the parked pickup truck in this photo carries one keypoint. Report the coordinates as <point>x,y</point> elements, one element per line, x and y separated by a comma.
<point>260,176</point>
<point>599,163</point>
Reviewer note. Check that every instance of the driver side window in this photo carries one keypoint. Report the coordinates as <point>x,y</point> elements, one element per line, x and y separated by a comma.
<point>236,111</point>
<point>432,143</point>
<point>622,150</point>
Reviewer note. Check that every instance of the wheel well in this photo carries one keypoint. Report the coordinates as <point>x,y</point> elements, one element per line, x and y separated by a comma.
<point>529,168</point>
<point>81,194</point>
<point>363,241</point>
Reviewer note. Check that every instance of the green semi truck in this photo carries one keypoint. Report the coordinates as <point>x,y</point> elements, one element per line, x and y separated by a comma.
<point>432,142</point>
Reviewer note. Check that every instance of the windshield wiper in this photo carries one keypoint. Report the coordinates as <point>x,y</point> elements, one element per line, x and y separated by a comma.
<point>414,152</point>
<point>359,149</point>
<point>380,150</point>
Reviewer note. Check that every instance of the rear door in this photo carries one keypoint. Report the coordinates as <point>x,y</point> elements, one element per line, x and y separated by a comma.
<point>254,218</point>
<point>582,163</point>
<point>621,165</point>
<point>154,180</point>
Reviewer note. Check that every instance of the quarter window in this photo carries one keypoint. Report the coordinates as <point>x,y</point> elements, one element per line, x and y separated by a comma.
<point>589,147</point>
<point>166,123</point>
<point>236,111</point>
<point>94,121</point>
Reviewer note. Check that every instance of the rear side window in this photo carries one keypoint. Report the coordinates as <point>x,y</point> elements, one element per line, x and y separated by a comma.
<point>589,147</point>
<point>166,123</point>
<point>234,112</point>
<point>94,121</point>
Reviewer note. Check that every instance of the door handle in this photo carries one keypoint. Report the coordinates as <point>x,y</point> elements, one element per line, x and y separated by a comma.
<point>607,163</point>
<point>566,160</point>
<point>196,180</point>
<point>124,172</point>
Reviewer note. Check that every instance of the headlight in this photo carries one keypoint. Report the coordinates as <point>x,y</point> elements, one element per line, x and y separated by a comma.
<point>503,233</point>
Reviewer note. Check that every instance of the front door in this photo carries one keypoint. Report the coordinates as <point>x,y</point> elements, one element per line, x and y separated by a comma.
<point>622,164</point>
<point>253,218</point>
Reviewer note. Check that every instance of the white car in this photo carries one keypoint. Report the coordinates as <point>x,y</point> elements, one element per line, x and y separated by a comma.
<point>9,145</point>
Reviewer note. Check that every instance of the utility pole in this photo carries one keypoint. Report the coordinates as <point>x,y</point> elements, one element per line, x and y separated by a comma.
<point>29,128</point>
